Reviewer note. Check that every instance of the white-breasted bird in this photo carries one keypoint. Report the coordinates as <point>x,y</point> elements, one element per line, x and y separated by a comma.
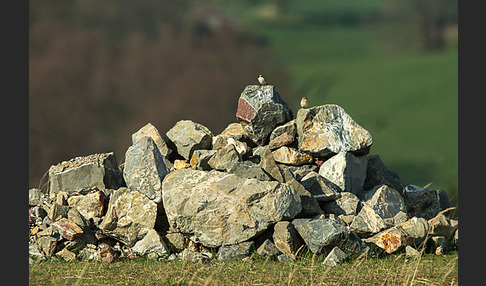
<point>261,80</point>
<point>303,102</point>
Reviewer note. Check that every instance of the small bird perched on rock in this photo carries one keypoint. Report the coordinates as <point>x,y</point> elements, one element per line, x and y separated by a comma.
<point>261,80</point>
<point>303,102</point>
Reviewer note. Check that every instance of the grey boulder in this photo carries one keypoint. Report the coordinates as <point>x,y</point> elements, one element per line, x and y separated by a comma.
<point>268,250</point>
<point>200,159</point>
<point>145,168</point>
<point>224,158</point>
<point>327,129</point>
<point>378,174</point>
<point>216,208</point>
<point>345,170</point>
<point>320,235</point>
<point>90,205</point>
<point>289,128</point>
<point>187,136</point>
<point>367,222</point>
<point>386,201</point>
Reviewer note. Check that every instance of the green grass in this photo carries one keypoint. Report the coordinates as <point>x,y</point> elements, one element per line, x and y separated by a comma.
<point>390,270</point>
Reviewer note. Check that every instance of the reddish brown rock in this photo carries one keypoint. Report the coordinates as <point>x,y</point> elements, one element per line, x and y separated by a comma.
<point>260,110</point>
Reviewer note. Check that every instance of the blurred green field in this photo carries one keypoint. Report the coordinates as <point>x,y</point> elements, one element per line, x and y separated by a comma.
<point>406,98</point>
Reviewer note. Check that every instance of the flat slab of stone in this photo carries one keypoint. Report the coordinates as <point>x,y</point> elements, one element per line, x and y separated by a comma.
<point>93,171</point>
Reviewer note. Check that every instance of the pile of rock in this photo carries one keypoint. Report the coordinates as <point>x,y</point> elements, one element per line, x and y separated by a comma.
<point>268,185</point>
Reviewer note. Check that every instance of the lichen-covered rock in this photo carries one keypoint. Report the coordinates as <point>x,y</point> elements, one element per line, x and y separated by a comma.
<point>57,212</point>
<point>129,217</point>
<point>176,241</point>
<point>310,206</point>
<point>267,162</point>
<point>248,169</point>
<point>235,131</point>
<point>196,257</point>
<point>187,136</point>
<point>260,110</point>
<point>35,197</point>
<point>145,169</point>
<point>291,156</point>
<point>328,129</point>
<point>221,141</point>
<point>416,229</point>
<point>345,170</point>
<point>283,139</point>
<point>412,232</point>
<point>67,229</point>
<point>390,240</point>
<point>97,170</point>
<point>47,244</point>
<point>440,225</point>
<point>217,208</point>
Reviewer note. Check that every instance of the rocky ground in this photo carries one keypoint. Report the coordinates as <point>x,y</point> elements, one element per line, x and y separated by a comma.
<point>271,185</point>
